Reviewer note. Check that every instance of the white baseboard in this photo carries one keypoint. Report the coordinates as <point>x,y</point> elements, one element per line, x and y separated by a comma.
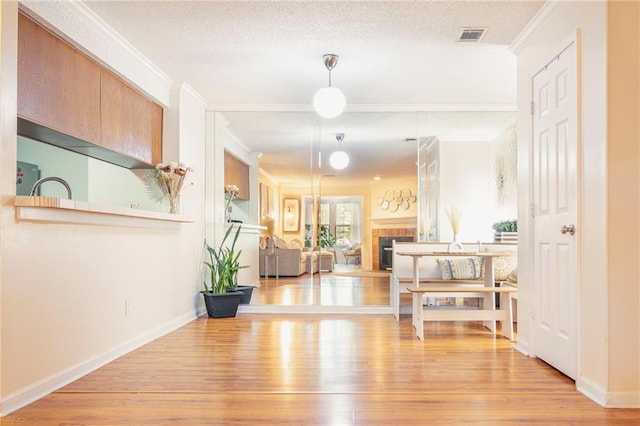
<point>307,309</point>
<point>592,391</point>
<point>44,387</point>
<point>523,349</point>
<point>606,399</point>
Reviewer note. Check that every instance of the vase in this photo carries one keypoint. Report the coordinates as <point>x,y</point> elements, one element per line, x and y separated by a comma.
<point>174,204</point>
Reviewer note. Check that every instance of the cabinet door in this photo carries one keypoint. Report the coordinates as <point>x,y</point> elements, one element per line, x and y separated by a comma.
<point>58,87</point>
<point>236,173</point>
<point>131,124</point>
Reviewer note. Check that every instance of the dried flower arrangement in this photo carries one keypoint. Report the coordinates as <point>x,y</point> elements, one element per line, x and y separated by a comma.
<point>454,214</point>
<point>168,181</point>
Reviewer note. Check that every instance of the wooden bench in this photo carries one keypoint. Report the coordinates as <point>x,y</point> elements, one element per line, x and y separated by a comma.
<point>419,313</point>
<point>401,283</point>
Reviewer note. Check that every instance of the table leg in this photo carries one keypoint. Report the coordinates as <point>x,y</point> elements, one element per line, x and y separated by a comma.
<point>489,298</point>
<point>395,297</point>
<point>506,303</point>
<point>417,315</point>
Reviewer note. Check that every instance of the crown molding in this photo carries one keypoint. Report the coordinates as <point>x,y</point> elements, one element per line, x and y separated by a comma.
<point>366,107</point>
<point>77,24</point>
<point>187,88</point>
<point>546,12</point>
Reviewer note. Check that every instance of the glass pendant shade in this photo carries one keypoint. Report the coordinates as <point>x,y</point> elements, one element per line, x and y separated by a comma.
<point>339,160</point>
<point>329,102</point>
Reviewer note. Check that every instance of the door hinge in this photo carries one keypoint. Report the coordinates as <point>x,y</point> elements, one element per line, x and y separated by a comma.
<point>533,209</point>
<point>532,108</point>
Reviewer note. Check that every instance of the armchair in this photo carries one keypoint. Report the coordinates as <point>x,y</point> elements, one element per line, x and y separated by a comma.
<point>354,252</point>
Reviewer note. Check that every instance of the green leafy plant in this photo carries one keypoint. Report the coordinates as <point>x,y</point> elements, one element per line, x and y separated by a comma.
<point>506,226</point>
<point>324,238</point>
<point>224,264</point>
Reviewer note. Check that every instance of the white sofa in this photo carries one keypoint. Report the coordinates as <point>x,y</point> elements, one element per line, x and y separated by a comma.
<point>277,258</point>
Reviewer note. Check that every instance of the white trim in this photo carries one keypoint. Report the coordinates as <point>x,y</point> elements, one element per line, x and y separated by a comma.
<point>79,25</point>
<point>41,388</point>
<point>366,107</point>
<point>314,309</point>
<point>187,88</point>
<point>623,399</point>
<point>546,12</point>
<point>523,349</point>
<point>591,390</point>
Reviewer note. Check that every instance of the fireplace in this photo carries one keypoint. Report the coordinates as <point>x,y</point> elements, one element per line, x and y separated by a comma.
<point>385,255</point>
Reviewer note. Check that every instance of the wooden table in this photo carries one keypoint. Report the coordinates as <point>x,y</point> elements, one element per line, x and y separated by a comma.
<point>489,273</point>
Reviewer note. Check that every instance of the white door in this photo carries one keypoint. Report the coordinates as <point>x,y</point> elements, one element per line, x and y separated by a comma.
<point>555,206</point>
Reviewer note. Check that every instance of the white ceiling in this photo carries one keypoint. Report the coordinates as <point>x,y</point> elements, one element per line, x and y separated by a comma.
<point>394,55</point>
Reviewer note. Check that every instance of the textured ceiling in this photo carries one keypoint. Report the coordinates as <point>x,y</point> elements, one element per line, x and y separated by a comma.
<point>394,55</point>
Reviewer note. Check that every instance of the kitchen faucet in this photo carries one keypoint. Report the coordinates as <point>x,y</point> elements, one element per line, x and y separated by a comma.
<point>46,179</point>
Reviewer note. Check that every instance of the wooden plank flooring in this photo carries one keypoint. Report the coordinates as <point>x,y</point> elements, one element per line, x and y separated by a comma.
<point>347,285</point>
<point>327,369</point>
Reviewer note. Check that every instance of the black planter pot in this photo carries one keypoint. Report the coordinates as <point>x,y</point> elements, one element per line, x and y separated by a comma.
<point>247,291</point>
<point>222,305</point>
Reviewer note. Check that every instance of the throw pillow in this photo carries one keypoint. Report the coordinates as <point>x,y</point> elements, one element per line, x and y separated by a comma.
<point>503,265</point>
<point>466,268</point>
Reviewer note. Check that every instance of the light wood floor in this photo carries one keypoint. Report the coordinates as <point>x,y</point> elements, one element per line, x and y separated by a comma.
<point>347,285</point>
<point>266,369</point>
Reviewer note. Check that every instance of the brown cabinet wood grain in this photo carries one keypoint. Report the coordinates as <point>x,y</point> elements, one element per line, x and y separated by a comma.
<point>131,124</point>
<point>236,173</point>
<point>58,87</point>
<point>89,109</point>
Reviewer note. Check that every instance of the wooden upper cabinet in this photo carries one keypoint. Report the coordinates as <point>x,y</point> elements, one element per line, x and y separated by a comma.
<point>236,173</point>
<point>89,109</point>
<point>58,87</point>
<point>131,124</point>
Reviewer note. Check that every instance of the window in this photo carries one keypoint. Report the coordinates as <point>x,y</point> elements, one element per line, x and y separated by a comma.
<point>339,219</point>
<point>343,221</point>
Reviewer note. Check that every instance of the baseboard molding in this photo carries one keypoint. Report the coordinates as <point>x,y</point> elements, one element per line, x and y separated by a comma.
<point>302,309</point>
<point>623,399</point>
<point>44,387</point>
<point>592,391</point>
<point>523,349</point>
<point>606,399</point>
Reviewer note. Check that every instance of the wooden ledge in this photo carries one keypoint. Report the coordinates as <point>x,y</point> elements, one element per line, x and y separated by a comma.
<point>59,210</point>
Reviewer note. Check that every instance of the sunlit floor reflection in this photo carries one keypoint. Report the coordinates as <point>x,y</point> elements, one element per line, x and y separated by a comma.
<point>347,285</point>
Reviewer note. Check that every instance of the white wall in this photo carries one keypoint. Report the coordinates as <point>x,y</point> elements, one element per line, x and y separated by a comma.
<point>596,352</point>
<point>63,287</point>
<point>467,182</point>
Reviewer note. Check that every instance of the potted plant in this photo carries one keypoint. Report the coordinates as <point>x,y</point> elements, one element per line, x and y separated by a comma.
<point>221,297</point>
<point>506,231</point>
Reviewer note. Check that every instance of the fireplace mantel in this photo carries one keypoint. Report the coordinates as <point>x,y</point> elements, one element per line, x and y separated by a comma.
<point>394,222</point>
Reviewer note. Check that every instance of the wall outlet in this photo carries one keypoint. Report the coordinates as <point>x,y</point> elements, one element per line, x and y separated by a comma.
<point>127,307</point>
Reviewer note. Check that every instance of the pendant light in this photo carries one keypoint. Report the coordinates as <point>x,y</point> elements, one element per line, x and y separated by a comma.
<point>339,159</point>
<point>329,102</point>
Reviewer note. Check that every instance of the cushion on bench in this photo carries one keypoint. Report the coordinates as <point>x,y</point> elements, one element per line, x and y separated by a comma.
<point>464,268</point>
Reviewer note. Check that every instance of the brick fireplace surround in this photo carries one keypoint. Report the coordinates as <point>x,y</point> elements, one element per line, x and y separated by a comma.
<point>387,232</point>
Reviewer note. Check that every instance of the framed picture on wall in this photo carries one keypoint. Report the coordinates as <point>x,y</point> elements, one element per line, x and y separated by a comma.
<point>291,215</point>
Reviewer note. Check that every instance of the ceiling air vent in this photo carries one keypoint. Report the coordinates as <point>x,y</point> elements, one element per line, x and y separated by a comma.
<point>473,35</point>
